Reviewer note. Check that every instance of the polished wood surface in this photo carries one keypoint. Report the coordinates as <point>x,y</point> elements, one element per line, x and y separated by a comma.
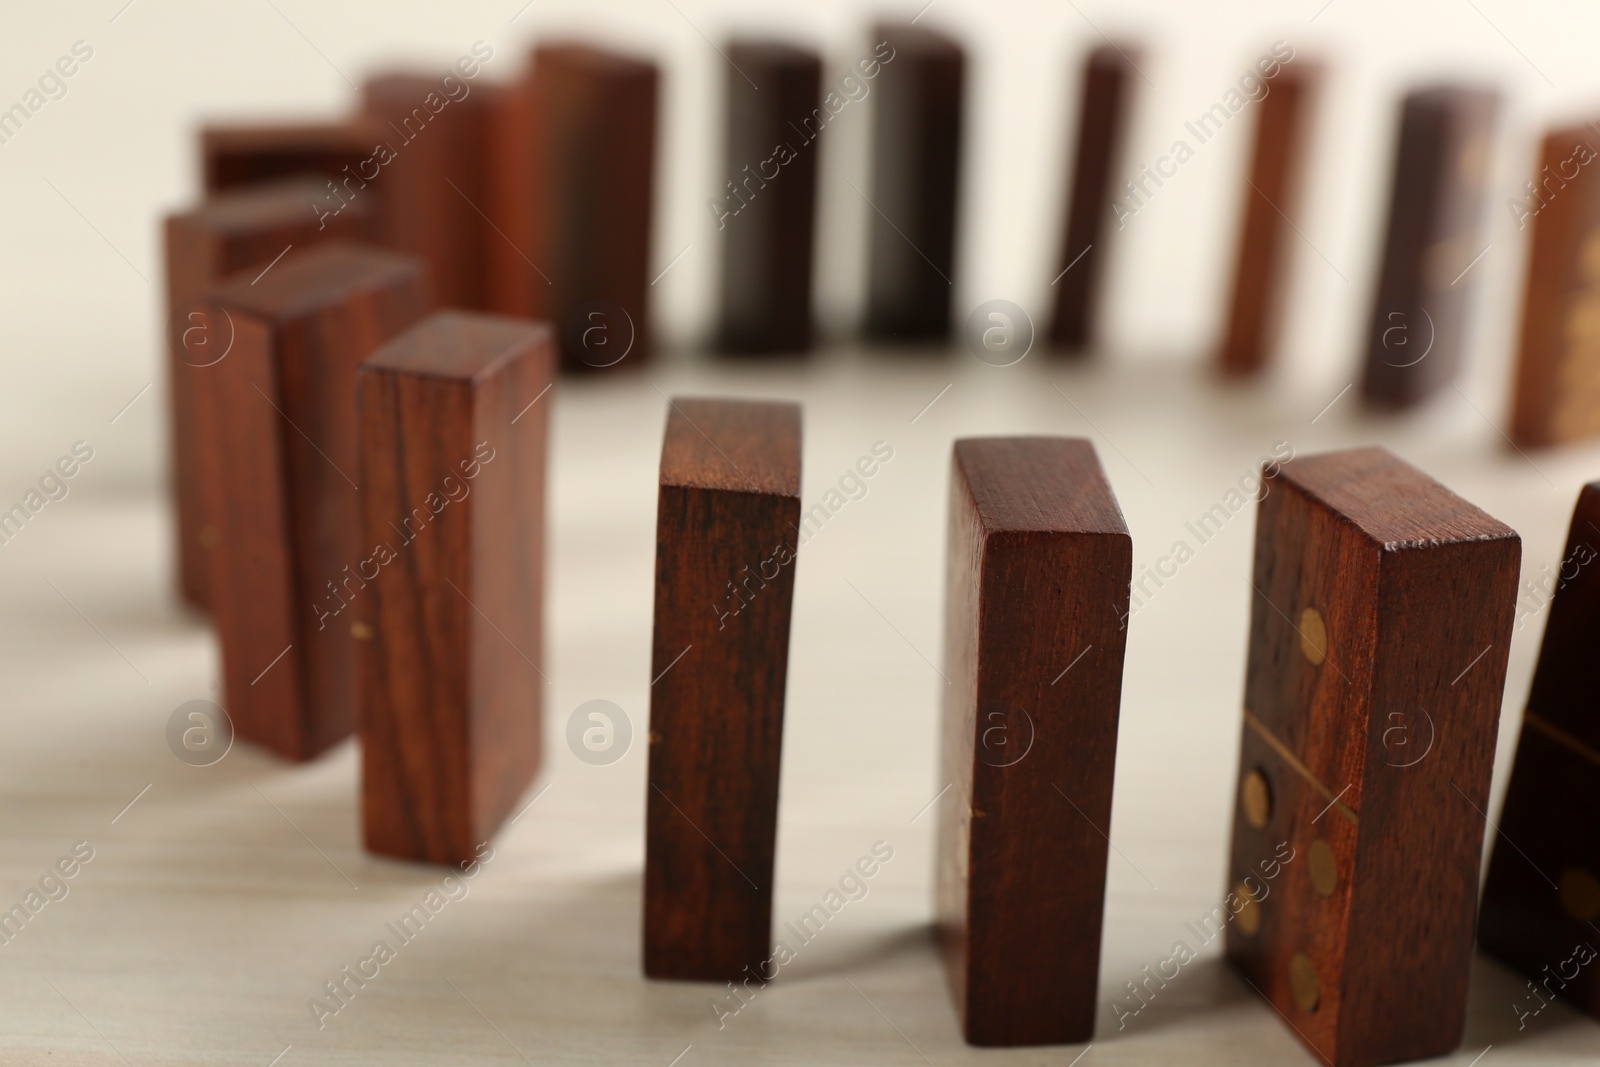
<point>234,154</point>
<point>766,210</point>
<point>916,172</point>
<point>454,424</point>
<point>592,119</point>
<point>1557,378</point>
<point>1541,899</point>
<point>1263,267</point>
<point>727,538</point>
<point>1035,627</point>
<point>1102,116</point>
<point>250,226</point>
<point>437,183</point>
<point>278,450</point>
<point>1417,336</point>
<point>1380,623</point>
<point>510,275</point>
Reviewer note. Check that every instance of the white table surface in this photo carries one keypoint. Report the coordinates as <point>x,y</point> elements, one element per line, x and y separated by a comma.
<point>219,903</point>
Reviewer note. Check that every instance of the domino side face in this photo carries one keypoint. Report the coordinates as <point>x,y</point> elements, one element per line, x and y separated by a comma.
<point>1380,626</point>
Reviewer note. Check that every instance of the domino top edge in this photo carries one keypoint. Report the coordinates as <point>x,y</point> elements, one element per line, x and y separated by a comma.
<point>1390,501</point>
<point>1039,485</point>
<point>231,134</point>
<point>461,345</point>
<point>737,446</point>
<point>1114,55</point>
<point>773,51</point>
<point>1443,94</point>
<point>581,55</point>
<point>247,208</point>
<point>328,274</point>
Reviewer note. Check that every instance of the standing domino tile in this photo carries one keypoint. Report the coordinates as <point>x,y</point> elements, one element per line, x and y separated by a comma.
<point>726,541</point>
<point>592,116</point>
<point>437,182</point>
<point>454,421</point>
<point>1418,331</point>
<point>767,210</point>
<point>277,441</point>
<point>1102,117</point>
<point>510,276</point>
<point>1558,361</point>
<point>1039,561</point>
<point>340,153</point>
<point>1380,624</point>
<point>1262,273</point>
<point>916,170</point>
<point>1541,902</point>
<point>251,226</point>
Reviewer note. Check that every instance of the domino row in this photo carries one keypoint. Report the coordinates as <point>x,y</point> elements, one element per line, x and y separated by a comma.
<point>532,196</point>
<point>1382,602</point>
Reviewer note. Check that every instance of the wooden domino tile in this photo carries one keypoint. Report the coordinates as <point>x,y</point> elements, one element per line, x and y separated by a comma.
<point>1102,117</point>
<point>1541,901</point>
<point>1037,578</point>
<point>593,123</point>
<point>247,154</point>
<point>766,212</point>
<point>1557,387</point>
<point>1262,270</point>
<point>437,181</point>
<point>226,233</point>
<point>511,277</point>
<point>916,169</point>
<point>450,588</point>
<point>1380,624</point>
<point>276,437</point>
<point>1437,204</point>
<point>726,543</point>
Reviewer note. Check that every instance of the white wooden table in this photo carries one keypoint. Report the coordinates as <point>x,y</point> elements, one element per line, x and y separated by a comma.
<point>219,900</point>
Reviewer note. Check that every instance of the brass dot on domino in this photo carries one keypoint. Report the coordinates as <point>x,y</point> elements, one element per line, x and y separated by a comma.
<point>1324,867</point>
<point>1303,982</point>
<point>1313,636</point>
<point>1256,795</point>
<point>1249,916</point>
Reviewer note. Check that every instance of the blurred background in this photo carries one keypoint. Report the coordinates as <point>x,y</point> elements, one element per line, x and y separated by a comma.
<point>120,148</point>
